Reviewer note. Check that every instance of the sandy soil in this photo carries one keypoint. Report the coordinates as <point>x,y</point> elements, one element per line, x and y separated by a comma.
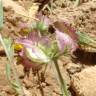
<point>76,72</point>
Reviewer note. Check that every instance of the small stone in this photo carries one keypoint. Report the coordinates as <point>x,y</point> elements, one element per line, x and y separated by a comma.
<point>43,84</point>
<point>72,68</point>
<point>9,90</point>
<point>28,84</point>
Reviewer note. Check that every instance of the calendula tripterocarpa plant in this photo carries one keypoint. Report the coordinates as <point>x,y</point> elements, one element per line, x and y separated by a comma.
<point>38,48</point>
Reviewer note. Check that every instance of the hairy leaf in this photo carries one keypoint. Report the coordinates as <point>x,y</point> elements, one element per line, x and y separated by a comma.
<point>1,15</point>
<point>7,44</point>
<point>85,39</point>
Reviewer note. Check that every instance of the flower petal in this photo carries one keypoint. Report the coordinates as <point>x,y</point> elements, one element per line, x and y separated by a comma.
<point>37,55</point>
<point>64,40</point>
<point>33,51</point>
<point>25,42</point>
<point>45,19</point>
<point>34,35</point>
<point>45,40</point>
<point>28,64</point>
<point>66,28</point>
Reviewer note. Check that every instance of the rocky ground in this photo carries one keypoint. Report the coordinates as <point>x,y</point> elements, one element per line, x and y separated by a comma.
<point>79,73</point>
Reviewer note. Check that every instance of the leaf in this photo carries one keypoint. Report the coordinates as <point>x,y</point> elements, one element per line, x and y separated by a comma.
<point>16,87</point>
<point>85,39</point>
<point>1,15</point>
<point>7,44</point>
<point>8,71</point>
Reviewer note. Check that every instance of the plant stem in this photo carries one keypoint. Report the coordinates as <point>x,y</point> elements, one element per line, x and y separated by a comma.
<point>10,59</point>
<point>1,15</point>
<point>17,79</point>
<point>63,84</point>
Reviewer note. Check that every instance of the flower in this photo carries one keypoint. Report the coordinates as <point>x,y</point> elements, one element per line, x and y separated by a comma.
<point>40,49</point>
<point>64,40</point>
<point>33,50</point>
<point>66,36</point>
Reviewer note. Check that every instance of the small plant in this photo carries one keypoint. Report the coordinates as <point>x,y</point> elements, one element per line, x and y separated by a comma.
<point>9,50</point>
<point>37,47</point>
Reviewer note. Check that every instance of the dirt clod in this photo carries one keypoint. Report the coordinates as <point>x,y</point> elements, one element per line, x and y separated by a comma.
<point>84,83</point>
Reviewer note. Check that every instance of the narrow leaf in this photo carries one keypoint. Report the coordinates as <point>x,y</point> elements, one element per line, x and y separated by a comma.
<point>84,39</point>
<point>16,87</point>
<point>7,44</point>
<point>8,71</point>
<point>1,15</point>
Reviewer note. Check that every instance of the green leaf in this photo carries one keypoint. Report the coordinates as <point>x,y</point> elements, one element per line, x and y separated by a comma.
<point>8,72</point>
<point>16,87</point>
<point>7,44</point>
<point>9,50</point>
<point>14,84</point>
<point>85,39</point>
<point>1,15</point>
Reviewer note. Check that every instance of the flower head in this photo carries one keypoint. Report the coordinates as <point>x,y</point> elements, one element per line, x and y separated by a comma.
<point>66,36</point>
<point>64,40</point>
<point>33,48</point>
<point>40,49</point>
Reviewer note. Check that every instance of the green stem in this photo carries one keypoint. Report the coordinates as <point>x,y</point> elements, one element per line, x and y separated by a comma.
<point>10,59</point>
<point>17,80</point>
<point>63,84</point>
<point>1,15</point>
